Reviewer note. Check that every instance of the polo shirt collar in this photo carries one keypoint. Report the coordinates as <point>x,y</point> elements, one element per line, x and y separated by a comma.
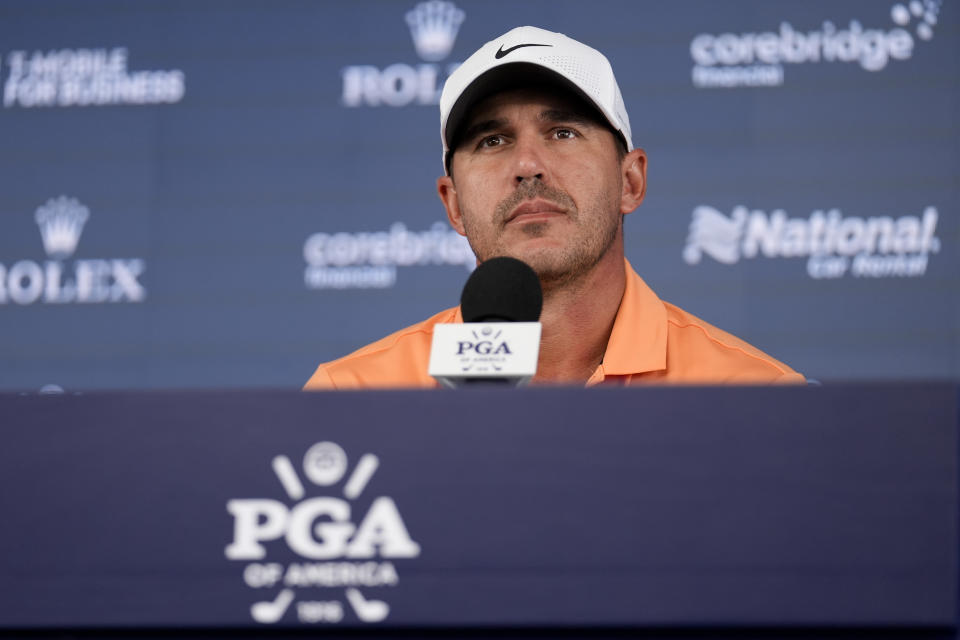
<point>638,341</point>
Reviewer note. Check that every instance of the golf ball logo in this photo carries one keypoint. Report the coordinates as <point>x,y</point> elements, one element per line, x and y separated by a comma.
<point>325,463</point>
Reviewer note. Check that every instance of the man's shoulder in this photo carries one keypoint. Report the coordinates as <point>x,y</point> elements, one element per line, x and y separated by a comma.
<point>705,352</point>
<point>397,360</point>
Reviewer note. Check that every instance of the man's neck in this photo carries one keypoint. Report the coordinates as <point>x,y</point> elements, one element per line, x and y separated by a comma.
<point>577,319</point>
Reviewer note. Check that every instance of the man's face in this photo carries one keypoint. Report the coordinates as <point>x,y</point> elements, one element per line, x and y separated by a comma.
<point>537,178</point>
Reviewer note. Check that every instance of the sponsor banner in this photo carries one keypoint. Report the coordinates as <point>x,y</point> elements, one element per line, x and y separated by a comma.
<point>85,78</point>
<point>290,207</point>
<point>482,510</point>
<point>833,244</point>
<point>433,26</point>
<point>757,59</point>
<point>369,260</point>
<point>58,280</point>
<point>341,552</point>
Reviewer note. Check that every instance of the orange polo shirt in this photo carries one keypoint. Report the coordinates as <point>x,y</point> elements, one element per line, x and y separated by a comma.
<point>652,342</point>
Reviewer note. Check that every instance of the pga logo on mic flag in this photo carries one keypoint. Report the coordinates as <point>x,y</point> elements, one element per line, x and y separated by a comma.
<point>490,350</point>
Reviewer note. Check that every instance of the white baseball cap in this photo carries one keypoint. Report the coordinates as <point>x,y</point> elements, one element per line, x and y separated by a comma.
<point>539,54</point>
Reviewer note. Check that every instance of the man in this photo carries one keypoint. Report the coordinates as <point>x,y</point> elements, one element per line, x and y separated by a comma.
<point>540,166</point>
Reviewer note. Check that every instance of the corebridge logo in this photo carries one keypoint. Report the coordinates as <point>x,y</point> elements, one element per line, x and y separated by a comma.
<point>433,27</point>
<point>758,59</point>
<point>59,280</point>
<point>344,553</point>
<point>834,245</point>
<point>369,260</point>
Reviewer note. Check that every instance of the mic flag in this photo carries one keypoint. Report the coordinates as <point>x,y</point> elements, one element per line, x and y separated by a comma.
<point>499,340</point>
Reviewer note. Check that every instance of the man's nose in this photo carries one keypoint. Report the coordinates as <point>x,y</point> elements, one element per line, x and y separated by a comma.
<point>528,161</point>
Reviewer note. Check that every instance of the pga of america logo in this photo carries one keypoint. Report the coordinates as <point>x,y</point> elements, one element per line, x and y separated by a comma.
<point>483,348</point>
<point>466,351</point>
<point>756,59</point>
<point>834,244</point>
<point>433,26</point>
<point>57,280</point>
<point>344,555</point>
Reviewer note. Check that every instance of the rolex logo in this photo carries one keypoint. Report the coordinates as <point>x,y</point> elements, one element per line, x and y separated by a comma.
<point>61,222</point>
<point>434,25</point>
<point>58,280</point>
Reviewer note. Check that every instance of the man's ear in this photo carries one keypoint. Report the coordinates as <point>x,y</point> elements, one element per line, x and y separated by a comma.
<point>634,168</point>
<point>451,202</point>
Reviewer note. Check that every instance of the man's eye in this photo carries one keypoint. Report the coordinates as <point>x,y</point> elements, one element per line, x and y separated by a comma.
<point>491,141</point>
<point>565,134</point>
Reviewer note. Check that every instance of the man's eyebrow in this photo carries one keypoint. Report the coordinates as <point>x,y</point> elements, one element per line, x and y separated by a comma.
<point>484,126</point>
<point>565,115</point>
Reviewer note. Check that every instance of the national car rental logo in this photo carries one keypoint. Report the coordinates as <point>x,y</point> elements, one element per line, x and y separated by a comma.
<point>833,244</point>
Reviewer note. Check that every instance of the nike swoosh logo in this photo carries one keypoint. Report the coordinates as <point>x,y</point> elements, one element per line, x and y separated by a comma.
<point>502,52</point>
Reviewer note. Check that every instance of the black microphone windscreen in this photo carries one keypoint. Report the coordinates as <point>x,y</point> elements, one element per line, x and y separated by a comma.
<point>502,290</point>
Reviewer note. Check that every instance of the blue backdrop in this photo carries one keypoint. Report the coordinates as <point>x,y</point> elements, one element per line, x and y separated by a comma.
<point>225,194</point>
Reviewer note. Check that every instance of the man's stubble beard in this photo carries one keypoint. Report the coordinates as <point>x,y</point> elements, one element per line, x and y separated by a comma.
<point>556,267</point>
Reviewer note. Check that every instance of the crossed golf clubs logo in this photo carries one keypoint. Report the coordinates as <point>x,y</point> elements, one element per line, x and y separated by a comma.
<point>320,528</point>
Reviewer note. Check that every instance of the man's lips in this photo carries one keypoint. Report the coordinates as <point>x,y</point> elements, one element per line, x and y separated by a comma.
<point>535,208</point>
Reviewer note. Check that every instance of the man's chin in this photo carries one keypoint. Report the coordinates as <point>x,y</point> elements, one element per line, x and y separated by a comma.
<point>558,267</point>
<point>550,266</point>
<point>552,260</point>
<point>542,249</point>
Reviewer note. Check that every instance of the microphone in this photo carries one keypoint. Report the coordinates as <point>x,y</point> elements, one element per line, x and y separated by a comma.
<point>502,290</point>
<point>499,340</point>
